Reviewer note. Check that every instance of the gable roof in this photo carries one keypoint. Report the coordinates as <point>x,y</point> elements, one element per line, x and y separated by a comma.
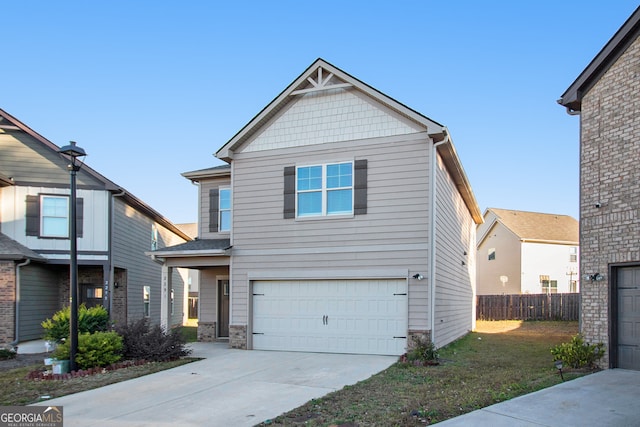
<point>323,75</point>
<point>537,227</point>
<point>621,40</point>
<point>14,251</point>
<point>7,121</point>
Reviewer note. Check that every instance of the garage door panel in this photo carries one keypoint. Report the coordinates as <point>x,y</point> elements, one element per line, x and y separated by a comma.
<point>346,316</point>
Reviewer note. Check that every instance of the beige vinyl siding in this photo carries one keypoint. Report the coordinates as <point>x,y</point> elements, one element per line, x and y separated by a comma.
<point>508,262</point>
<point>455,282</point>
<point>38,299</point>
<point>205,187</point>
<point>392,235</point>
<point>131,239</point>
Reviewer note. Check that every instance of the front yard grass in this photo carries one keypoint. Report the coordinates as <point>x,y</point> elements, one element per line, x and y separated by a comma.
<point>500,361</point>
<point>17,390</point>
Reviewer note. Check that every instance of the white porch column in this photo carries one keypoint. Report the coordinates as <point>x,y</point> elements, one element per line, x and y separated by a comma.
<point>165,297</point>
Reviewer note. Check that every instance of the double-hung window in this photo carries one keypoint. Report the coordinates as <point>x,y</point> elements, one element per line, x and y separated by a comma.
<point>224,212</point>
<point>324,190</point>
<point>54,216</point>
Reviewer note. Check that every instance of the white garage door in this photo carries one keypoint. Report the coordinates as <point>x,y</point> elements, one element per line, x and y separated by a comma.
<point>331,316</point>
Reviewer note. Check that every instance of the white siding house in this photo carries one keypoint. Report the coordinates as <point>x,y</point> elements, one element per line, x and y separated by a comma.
<point>522,252</point>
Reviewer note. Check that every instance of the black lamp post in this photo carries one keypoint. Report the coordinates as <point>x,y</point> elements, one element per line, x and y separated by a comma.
<point>73,152</point>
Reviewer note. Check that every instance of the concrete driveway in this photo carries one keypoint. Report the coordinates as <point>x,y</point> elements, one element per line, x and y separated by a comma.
<point>228,387</point>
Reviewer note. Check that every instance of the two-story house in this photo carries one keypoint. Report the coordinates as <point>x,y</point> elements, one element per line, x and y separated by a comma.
<point>523,252</point>
<point>114,231</point>
<point>342,222</point>
<point>606,96</point>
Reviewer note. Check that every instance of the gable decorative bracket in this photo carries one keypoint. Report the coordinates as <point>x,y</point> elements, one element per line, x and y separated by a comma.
<point>320,83</point>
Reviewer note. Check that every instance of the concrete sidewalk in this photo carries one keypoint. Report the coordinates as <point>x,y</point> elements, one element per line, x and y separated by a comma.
<point>606,398</point>
<point>228,388</point>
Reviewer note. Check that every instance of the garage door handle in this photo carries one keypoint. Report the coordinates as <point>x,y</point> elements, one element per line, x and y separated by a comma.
<point>258,333</point>
<point>399,294</point>
<point>401,337</point>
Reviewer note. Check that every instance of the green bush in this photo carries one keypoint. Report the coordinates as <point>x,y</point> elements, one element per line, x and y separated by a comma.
<point>94,350</point>
<point>6,354</point>
<point>577,353</point>
<point>150,342</point>
<point>423,350</point>
<point>90,320</point>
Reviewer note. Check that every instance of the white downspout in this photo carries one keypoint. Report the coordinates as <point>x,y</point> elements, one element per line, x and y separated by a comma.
<point>17,313</point>
<point>432,260</point>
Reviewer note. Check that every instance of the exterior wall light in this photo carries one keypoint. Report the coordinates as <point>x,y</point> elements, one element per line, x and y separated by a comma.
<point>597,277</point>
<point>418,276</point>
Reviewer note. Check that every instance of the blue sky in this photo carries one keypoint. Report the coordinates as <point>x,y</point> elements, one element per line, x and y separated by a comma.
<point>151,89</point>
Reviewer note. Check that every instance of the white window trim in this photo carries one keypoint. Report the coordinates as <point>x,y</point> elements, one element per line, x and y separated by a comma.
<point>324,190</point>
<point>220,210</point>
<point>42,216</point>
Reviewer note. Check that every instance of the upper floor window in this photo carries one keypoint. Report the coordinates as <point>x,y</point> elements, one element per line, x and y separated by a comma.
<point>47,216</point>
<point>224,204</point>
<point>54,216</point>
<point>573,254</point>
<point>325,190</point>
<point>491,254</point>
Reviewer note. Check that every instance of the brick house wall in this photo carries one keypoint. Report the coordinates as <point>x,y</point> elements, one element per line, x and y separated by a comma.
<point>7,301</point>
<point>609,178</point>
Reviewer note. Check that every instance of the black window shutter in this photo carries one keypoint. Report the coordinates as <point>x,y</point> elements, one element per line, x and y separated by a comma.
<point>33,216</point>
<point>360,187</point>
<point>79,216</point>
<point>290,192</point>
<point>213,210</point>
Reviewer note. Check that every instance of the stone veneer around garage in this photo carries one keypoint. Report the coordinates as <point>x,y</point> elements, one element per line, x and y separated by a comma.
<point>238,336</point>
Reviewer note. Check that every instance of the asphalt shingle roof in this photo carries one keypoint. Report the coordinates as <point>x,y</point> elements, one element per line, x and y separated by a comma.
<point>12,250</point>
<point>540,226</point>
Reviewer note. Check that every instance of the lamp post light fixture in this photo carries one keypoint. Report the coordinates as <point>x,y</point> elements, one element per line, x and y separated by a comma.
<point>73,152</point>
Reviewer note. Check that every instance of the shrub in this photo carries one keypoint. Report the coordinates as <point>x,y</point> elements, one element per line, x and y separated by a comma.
<point>90,320</point>
<point>7,353</point>
<point>577,353</point>
<point>94,350</point>
<point>151,342</point>
<point>423,351</point>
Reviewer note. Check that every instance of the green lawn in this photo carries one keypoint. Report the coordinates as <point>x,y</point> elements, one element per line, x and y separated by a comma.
<point>500,361</point>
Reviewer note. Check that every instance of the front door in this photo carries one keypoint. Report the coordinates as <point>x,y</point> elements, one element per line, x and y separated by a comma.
<point>90,295</point>
<point>223,308</point>
<point>628,322</point>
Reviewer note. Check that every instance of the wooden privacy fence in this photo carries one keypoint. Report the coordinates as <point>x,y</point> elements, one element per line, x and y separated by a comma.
<point>528,307</point>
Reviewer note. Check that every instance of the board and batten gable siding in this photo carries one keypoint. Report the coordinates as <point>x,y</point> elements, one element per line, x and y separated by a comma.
<point>208,188</point>
<point>39,298</point>
<point>95,212</point>
<point>455,261</point>
<point>507,262</point>
<point>393,235</point>
<point>132,237</point>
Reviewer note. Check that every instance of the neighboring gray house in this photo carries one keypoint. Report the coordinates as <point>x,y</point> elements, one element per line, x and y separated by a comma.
<point>114,231</point>
<point>606,95</point>
<point>523,252</point>
<point>343,222</point>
